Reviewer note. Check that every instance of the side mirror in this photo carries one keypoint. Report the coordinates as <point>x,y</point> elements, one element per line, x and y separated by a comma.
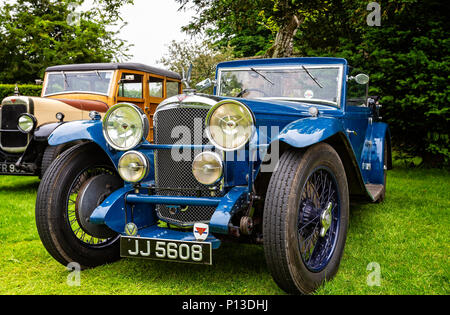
<point>362,79</point>
<point>204,85</point>
<point>39,82</point>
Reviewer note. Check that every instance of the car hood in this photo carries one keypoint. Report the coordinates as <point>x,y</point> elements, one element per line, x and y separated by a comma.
<point>45,109</point>
<point>280,113</point>
<point>267,112</point>
<point>80,104</point>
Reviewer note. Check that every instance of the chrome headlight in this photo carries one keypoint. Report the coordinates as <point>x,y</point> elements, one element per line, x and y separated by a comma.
<point>133,167</point>
<point>26,123</point>
<point>207,168</point>
<point>125,126</point>
<point>230,125</point>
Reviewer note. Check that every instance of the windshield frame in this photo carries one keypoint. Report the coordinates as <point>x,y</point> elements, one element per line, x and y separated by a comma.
<point>44,88</point>
<point>339,67</point>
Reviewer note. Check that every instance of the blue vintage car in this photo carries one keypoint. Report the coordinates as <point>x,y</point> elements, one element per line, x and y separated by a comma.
<point>274,157</point>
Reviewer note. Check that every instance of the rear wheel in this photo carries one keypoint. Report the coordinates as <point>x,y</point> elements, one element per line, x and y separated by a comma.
<point>382,196</point>
<point>73,186</point>
<point>306,218</point>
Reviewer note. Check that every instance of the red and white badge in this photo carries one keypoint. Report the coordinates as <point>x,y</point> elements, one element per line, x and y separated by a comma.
<point>201,231</point>
<point>309,94</point>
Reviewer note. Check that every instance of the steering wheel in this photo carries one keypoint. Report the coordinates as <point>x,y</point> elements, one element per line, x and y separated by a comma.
<point>251,90</point>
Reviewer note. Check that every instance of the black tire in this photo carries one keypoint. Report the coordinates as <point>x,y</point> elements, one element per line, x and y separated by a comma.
<point>50,155</point>
<point>56,230</point>
<point>282,214</point>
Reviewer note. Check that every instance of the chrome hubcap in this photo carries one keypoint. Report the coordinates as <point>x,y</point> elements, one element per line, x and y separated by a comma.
<point>325,219</point>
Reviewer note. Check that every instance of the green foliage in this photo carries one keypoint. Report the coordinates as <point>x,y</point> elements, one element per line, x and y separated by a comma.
<point>252,28</point>
<point>36,34</point>
<point>407,56</point>
<point>232,23</point>
<point>408,59</point>
<point>25,89</point>
<point>203,56</point>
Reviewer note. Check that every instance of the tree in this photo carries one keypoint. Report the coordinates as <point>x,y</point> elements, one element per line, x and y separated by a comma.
<point>407,56</point>
<point>408,59</point>
<point>267,27</point>
<point>284,20</point>
<point>203,56</point>
<point>234,23</point>
<point>36,34</point>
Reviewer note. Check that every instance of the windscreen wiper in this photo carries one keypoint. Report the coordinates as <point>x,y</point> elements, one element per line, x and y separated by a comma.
<point>65,79</point>
<point>263,76</point>
<point>311,76</point>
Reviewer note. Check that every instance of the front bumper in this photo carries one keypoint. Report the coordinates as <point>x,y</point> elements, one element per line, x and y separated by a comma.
<point>124,206</point>
<point>158,232</point>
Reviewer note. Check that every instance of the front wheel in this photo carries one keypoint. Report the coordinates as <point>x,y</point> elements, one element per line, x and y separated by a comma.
<point>306,218</point>
<point>72,187</point>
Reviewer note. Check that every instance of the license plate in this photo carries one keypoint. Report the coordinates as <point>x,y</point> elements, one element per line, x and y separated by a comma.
<point>10,169</point>
<point>160,249</point>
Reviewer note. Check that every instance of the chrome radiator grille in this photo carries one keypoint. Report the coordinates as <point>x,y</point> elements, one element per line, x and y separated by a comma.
<point>174,167</point>
<point>9,116</point>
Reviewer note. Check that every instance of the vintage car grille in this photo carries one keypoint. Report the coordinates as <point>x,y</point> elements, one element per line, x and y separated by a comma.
<point>9,115</point>
<point>175,178</point>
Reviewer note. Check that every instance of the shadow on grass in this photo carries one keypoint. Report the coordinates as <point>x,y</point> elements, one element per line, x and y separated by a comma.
<point>229,258</point>
<point>20,187</point>
<point>357,211</point>
<point>233,264</point>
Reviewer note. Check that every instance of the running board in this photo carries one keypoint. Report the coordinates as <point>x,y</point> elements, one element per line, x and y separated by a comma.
<point>374,190</point>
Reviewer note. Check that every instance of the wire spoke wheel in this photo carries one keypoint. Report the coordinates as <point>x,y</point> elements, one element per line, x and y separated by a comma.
<point>318,195</point>
<point>74,185</point>
<point>72,211</point>
<point>305,218</point>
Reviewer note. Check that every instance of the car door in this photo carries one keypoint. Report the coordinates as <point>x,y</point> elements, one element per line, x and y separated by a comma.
<point>357,114</point>
<point>131,88</point>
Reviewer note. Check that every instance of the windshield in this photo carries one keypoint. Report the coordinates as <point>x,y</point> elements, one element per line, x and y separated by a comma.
<point>304,83</point>
<point>96,82</point>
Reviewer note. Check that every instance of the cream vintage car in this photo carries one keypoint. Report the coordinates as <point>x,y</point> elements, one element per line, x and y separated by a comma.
<point>74,92</point>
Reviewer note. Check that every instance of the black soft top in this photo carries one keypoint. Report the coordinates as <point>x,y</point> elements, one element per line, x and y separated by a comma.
<point>115,66</point>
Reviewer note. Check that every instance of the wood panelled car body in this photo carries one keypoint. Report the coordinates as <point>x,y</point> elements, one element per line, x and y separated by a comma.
<point>73,91</point>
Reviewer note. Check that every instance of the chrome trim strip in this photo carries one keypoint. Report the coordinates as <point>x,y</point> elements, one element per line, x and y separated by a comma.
<point>19,100</point>
<point>186,101</point>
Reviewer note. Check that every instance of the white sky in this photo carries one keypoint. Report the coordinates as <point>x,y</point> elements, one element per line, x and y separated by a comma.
<point>152,25</point>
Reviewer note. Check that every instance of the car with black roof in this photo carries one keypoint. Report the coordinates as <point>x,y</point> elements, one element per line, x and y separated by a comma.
<point>70,93</point>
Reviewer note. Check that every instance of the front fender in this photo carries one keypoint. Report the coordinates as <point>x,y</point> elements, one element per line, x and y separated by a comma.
<point>84,130</point>
<point>44,131</point>
<point>38,142</point>
<point>308,131</point>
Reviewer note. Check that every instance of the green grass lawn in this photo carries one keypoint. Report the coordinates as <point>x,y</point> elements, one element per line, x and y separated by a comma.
<point>408,236</point>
